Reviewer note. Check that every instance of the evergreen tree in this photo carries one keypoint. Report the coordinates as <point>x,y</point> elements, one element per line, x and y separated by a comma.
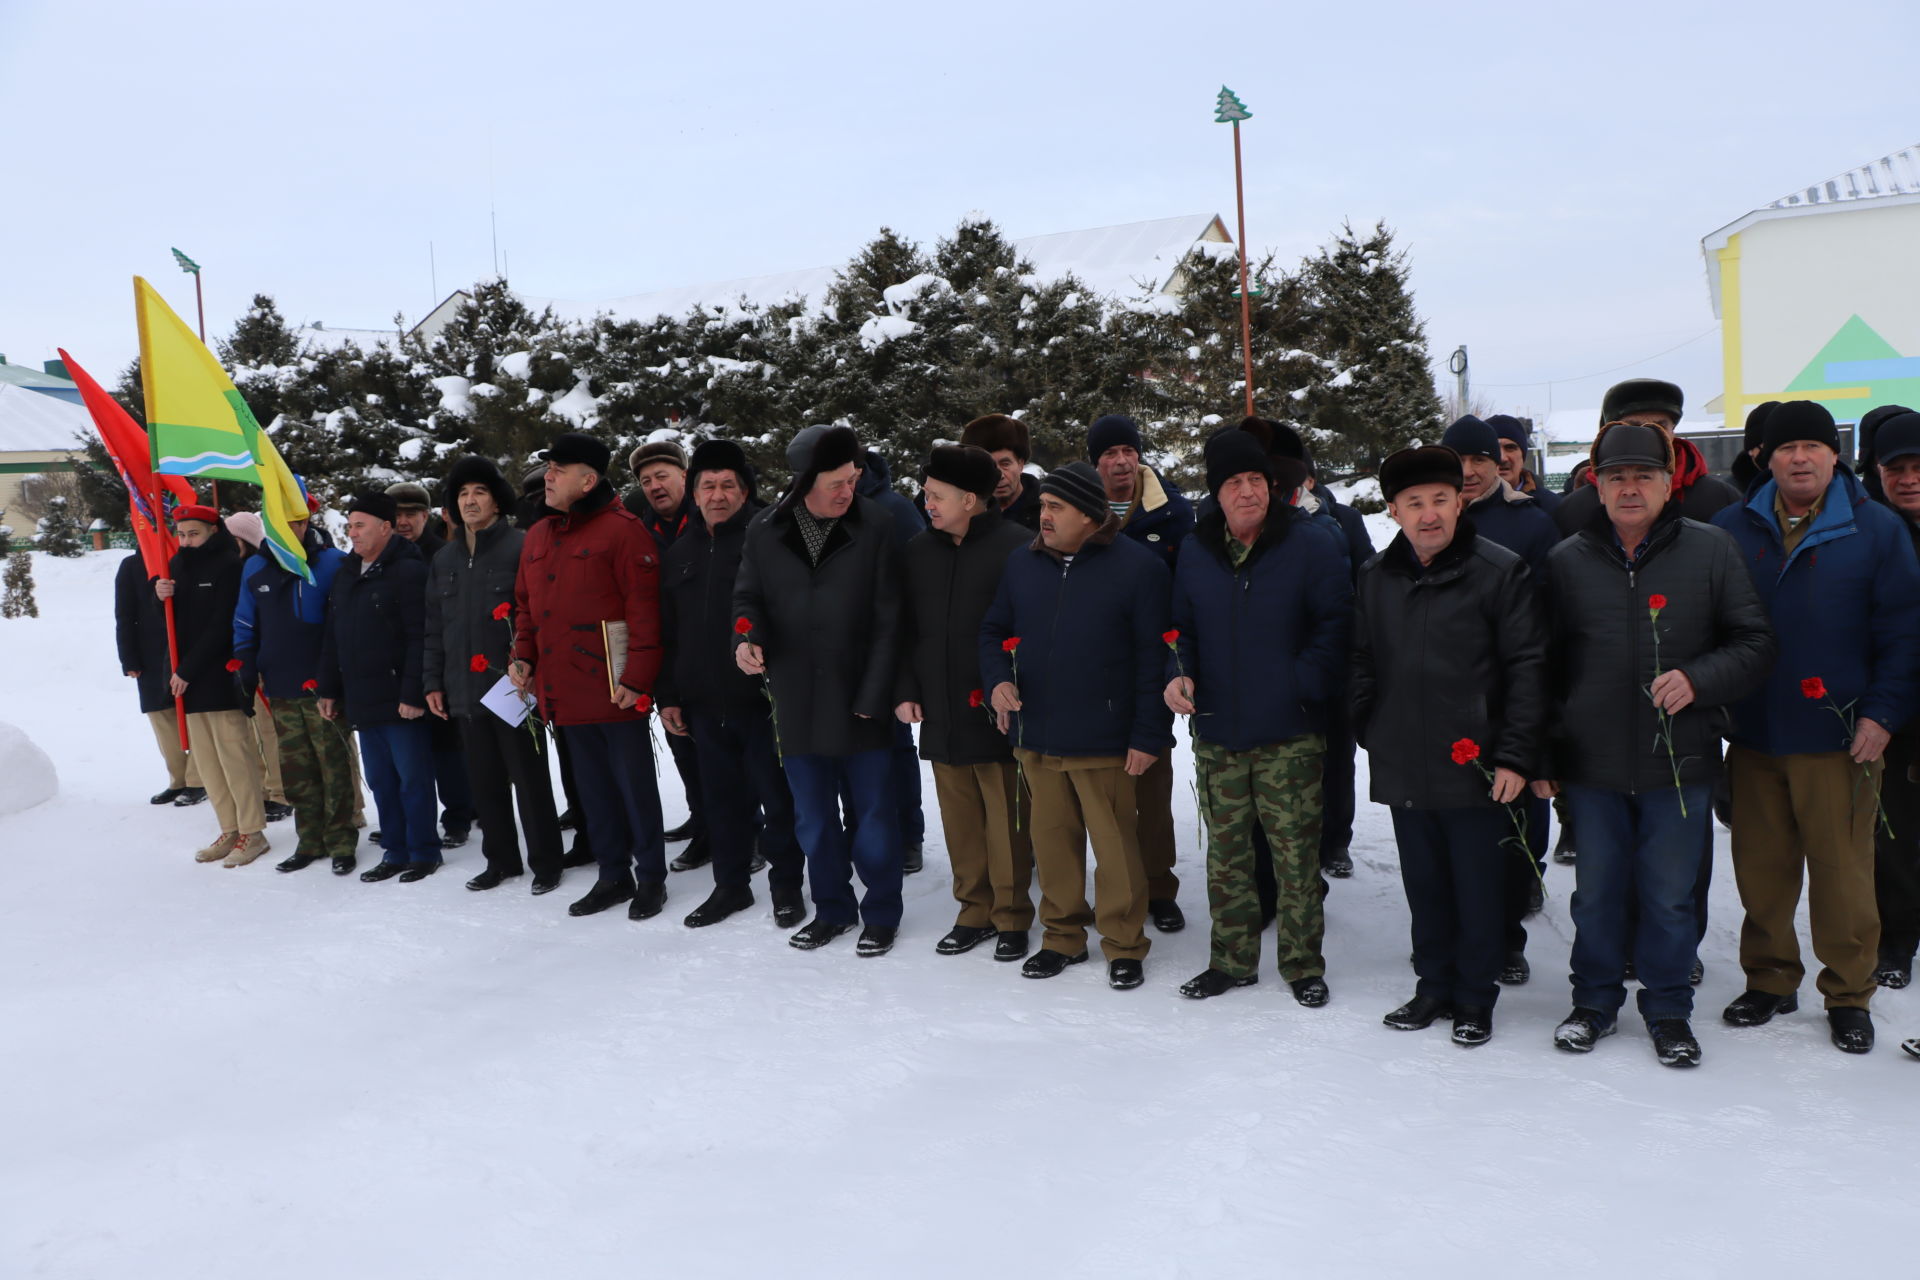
<point>131,392</point>
<point>1196,371</point>
<point>498,367</point>
<point>18,602</point>
<point>59,535</point>
<point>1380,394</point>
<point>102,495</point>
<point>855,294</point>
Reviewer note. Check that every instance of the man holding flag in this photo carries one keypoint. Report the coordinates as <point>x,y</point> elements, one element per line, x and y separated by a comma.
<point>203,582</point>
<point>144,627</point>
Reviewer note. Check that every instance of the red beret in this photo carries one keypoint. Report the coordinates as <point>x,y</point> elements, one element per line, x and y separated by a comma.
<point>194,511</point>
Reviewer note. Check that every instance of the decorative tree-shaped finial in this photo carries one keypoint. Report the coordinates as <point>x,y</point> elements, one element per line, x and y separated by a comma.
<point>1229,109</point>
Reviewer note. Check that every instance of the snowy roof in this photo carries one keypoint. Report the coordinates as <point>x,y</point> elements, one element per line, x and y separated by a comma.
<point>35,423</point>
<point>1122,260</point>
<point>1892,179</point>
<point>326,337</point>
<point>1897,174</point>
<point>1577,427</point>
<point>21,375</point>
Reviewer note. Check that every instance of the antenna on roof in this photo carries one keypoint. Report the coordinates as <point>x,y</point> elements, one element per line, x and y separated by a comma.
<point>433,274</point>
<point>493,218</point>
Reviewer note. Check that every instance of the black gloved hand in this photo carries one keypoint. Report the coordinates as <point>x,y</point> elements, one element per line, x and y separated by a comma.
<point>245,681</point>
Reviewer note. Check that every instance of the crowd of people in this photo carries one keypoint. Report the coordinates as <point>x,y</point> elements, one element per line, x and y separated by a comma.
<point>1514,658</point>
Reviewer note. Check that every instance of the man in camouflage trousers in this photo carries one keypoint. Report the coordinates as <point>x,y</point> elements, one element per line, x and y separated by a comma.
<point>277,630</point>
<point>1262,606</point>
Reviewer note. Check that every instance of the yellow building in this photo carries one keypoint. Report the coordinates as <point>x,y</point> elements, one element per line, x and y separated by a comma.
<point>38,434</point>
<point>1818,293</point>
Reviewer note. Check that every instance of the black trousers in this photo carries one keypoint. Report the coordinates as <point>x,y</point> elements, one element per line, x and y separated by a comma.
<point>1454,867</point>
<point>1336,780</point>
<point>457,811</point>
<point>741,774</point>
<point>1896,857</point>
<point>1525,870</point>
<point>620,798</point>
<point>686,762</point>
<point>507,770</point>
<point>570,793</point>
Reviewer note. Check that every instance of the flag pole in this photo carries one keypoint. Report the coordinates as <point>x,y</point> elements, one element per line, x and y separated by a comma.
<point>1230,110</point>
<point>192,268</point>
<point>159,511</point>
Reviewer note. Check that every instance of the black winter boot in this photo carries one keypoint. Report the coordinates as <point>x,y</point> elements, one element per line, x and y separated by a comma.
<point>1852,1029</point>
<point>1674,1043</point>
<point>604,894</point>
<point>1757,1008</point>
<point>789,906</point>
<point>1580,1030</point>
<point>1213,982</point>
<point>1418,1014</point>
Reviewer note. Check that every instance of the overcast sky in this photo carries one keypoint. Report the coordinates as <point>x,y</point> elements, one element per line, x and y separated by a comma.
<point>1550,170</point>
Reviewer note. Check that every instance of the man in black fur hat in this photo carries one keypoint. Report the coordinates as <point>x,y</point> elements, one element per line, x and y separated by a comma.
<point>707,702</point>
<point>1016,495</point>
<point>1450,700</point>
<point>469,606</point>
<point>818,600</point>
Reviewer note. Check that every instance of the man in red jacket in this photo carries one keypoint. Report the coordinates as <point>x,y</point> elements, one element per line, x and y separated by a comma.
<point>588,573</point>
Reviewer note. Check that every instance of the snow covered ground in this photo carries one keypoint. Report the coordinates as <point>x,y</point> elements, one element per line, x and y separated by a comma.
<point>210,1073</point>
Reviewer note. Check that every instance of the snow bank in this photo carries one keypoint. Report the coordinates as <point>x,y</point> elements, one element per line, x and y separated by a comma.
<point>27,777</point>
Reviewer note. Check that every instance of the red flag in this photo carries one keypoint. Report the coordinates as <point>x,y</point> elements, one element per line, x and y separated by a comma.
<point>126,444</point>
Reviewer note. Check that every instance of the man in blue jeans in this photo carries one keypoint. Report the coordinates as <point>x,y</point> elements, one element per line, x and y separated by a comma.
<point>817,603</point>
<point>371,659</point>
<point>1657,628</point>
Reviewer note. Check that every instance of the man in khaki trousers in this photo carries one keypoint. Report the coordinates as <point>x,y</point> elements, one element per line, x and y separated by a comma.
<point>1838,576</point>
<point>204,584</point>
<point>1072,648</point>
<point>952,572</point>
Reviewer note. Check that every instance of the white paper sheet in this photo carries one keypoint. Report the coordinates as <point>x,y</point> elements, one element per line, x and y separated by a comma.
<point>507,702</point>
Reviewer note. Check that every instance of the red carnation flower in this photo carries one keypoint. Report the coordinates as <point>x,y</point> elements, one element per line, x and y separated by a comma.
<point>976,698</point>
<point>501,610</point>
<point>742,626</point>
<point>643,704</point>
<point>310,686</point>
<point>1813,687</point>
<point>233,664</point>
<point>1010,644</point>
<point>1656,602</point>
<point>1171,637</point>
<point>477,663</point>
<point>1466,751</point>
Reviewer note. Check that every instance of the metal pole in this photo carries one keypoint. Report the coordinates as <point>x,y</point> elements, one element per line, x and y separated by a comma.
<point>1457,365</point>
<point>1246,302</point>
<point>200,307</point>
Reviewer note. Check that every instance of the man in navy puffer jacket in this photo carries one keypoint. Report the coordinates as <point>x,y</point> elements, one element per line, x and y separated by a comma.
<point>1071,648</point>
<point>1262,608</point>
<point>1837,574</point>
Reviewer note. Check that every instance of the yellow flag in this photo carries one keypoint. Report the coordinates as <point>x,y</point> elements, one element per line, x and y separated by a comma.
<point>200,426</point>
